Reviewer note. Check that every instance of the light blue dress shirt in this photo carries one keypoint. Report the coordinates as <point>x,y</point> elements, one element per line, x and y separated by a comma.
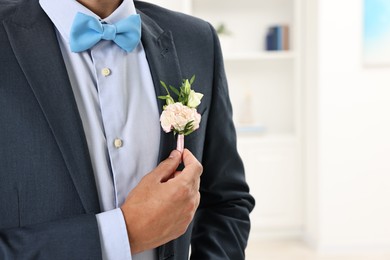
<point>117,103</point>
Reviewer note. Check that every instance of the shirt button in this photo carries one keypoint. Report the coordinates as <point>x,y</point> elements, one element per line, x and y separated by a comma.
<point>106,72</point>
<point>118,143</point>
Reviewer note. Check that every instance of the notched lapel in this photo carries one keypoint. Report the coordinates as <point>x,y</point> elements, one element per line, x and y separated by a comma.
<point>164,65</point>
<point>35,45</point>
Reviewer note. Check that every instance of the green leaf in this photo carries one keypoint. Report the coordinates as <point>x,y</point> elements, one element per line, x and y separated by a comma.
<point>163,97</point>
<point>170,100</point>
<point>189,132</point>
<point>187,87</point>
<point>192,79</point>
<point>189,126</point>
<point>163,83</point>
<point>189,129</point>
<point>177,132</point>
<point>174,90</point>
<point>165,86</point>
<point>181,99</point>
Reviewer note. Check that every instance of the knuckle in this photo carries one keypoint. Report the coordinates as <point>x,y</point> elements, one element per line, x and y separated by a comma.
<point>181,192</point>
<point>198,198</point>
<point>199,167</point>
<point>185,192</point>
<point>192,206</point>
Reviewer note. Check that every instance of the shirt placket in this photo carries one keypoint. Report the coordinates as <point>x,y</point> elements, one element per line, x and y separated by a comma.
<point>109,91</point>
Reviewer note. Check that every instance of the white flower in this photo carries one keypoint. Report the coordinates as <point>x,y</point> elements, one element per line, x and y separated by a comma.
<point>177,116</point>
<point>194,99</point>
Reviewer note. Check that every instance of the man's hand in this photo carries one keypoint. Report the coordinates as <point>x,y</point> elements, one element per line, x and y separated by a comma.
<point>160,208</point>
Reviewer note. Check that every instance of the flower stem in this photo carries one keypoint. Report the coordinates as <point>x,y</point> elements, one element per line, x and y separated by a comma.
<point>180,143</point>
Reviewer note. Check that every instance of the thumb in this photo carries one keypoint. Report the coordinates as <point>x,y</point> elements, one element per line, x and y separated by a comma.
<point>166,168</point>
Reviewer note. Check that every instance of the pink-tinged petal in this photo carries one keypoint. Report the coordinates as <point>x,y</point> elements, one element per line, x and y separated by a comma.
<point>165,122</point>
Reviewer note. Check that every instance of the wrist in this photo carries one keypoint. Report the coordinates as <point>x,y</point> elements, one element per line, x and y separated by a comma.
<point>135,248</point>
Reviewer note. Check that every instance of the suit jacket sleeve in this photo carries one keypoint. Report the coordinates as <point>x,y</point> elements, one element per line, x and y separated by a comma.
<point>73,238</point>
<point>222,222</point>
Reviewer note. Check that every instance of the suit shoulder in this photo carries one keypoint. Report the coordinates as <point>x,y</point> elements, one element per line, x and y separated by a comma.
<point>8,7</point>
<point>174,21</point>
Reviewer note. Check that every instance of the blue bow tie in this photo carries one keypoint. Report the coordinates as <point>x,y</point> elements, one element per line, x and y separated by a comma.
<point>87,31</point>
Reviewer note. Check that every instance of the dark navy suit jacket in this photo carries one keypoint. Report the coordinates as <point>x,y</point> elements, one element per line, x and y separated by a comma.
<point>48,196</point>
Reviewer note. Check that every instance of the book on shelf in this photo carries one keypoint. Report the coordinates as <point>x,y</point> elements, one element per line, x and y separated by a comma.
<point>278,38</point>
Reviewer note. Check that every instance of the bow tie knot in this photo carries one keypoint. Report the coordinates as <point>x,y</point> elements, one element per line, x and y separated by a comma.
<point>109,32</point>
<point>87,31</point>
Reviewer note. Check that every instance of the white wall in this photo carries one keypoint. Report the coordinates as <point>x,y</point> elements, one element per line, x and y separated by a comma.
<point>348,130</point>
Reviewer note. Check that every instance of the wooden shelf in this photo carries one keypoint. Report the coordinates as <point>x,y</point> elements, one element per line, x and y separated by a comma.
<point>265,137</point>
<point>251,129</point>
<point>259,56</point>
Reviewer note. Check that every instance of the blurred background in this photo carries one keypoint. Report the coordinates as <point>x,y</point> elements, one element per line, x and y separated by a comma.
<point>310,86</point>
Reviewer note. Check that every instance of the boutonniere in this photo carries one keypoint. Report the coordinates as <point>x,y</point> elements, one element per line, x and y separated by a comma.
<point>181,116</point>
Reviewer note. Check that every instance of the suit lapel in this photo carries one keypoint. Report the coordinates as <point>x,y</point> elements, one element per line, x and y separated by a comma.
<point>34,43</point>
<point>164,65</point>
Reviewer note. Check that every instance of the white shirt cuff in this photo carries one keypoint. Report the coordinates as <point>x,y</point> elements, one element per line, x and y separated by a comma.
<point>113,235</point>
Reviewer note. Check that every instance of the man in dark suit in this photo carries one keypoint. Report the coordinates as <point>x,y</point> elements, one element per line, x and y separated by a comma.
<point>49,193</point>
